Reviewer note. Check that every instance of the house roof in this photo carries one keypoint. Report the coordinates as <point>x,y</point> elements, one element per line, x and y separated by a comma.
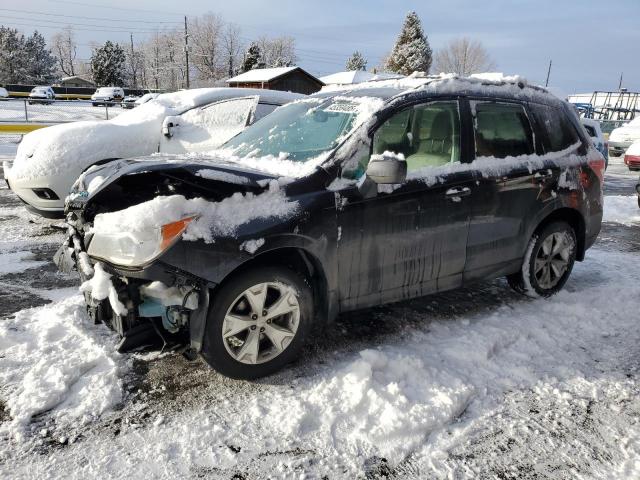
<point>356,76</point>
<point>265,74</point>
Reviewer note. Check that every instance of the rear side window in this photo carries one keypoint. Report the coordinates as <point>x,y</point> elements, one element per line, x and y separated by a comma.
<point>591,131</point>
<point>558,132</point>
<point>502,130</point>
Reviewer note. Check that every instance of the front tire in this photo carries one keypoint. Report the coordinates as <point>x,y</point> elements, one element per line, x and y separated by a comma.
<point>548,261</point>
<point>258,322</point>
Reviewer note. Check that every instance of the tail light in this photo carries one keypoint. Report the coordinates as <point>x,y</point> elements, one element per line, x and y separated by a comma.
<point>598,166</point>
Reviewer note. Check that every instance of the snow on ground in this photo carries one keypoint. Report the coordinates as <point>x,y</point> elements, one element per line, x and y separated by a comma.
<point>70,111</point>
<point>415,398</point>
<point>18,261</point>
<point>622,209</point>
<point>54,361</point>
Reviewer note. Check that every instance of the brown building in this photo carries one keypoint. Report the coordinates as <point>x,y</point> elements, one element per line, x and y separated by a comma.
<point>287,79</point>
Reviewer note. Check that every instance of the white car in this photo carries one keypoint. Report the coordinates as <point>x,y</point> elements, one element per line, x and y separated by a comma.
<point>49,160</point>
<point>4,94</point>
<point>107,95</point>
<point>145,98</point>
<point>41,95</point>
<point>622,137</point>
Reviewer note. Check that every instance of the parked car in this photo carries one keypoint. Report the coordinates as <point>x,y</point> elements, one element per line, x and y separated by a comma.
<point>49,160</point>
<point>145,98</point>
<point>621,138</point>
<point>41,95</point>
<point>342,201</point>
<point>4,94</point>
<point>107,96</point>
<point>632,156</point>
<point>595,133</point>
<point>129,101</point>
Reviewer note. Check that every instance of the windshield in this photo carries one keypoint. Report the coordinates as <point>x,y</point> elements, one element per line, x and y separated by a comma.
<point>298,131</point>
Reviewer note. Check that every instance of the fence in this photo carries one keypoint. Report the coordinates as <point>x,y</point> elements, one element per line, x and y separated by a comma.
<point>20,116</point>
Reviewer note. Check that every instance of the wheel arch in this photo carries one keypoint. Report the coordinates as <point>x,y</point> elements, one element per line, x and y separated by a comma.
<point>574,218</point>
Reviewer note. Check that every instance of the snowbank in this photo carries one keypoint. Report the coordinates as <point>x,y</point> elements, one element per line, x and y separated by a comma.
<point>53,360</point>
<point>212,219</point>
<point>621,209</point>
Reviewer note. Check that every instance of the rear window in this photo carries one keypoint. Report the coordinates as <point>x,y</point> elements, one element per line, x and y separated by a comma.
<point>558,132</point>
<point>502,130</point>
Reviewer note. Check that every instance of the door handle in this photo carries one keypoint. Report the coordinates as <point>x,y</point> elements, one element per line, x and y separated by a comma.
<point>457,192</point>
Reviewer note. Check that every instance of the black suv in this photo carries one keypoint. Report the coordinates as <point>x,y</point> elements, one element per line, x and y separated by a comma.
<point>395,193</point>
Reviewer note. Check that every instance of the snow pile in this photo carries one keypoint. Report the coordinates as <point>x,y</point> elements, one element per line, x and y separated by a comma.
<point>100,287</point>
<point>221,176</point>
<point>14,262</point>
<point>251,246</point>
<point>417,397</point>
<point>622,209</point>
<point>54,361</point>
<point>213,219</point>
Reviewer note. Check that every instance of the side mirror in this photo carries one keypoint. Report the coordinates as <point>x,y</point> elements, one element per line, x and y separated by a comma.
<point>387,169</point>
<point>168,124</point>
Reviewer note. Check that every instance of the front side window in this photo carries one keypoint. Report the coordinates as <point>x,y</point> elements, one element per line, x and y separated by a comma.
<point>426,135</point>
<point>502,130</point>
<point>558,132</point>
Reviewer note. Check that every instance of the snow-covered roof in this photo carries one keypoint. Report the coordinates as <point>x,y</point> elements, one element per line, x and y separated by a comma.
<point>262,74</point>
<point>356,76</point>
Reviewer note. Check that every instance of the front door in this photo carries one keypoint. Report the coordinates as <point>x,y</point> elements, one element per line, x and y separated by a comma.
<point>401,241</point>
<point>206,128</point>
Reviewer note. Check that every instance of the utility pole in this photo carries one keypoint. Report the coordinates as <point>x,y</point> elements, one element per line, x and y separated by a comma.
<point>186,48</point>
<point>620,82</point>
<point>133,63</point>
<point>548,74</point>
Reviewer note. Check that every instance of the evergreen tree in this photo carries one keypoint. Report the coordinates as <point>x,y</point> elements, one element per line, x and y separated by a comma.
<point>411,52</point>
<point>13,63</point>
<point>252,57</point>
<point>40,64</point>
<point>107,64</point>
<point>356,62</point>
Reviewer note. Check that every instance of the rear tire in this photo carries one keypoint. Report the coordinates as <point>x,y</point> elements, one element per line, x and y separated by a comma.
<point>258,322</point>
<point>548,261</point>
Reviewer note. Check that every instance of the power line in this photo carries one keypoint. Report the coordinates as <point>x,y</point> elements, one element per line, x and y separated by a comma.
<point>111,7</point>
<point>119,29</point>
<point>80,29</point>
<point>85,18</point>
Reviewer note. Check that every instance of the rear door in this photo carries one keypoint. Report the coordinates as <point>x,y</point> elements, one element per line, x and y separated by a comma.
<point>206,128</point>
<point>407,240</point>
<point>509,189</point>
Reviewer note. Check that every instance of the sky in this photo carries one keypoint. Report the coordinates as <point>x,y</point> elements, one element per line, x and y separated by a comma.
<point>591,43</point>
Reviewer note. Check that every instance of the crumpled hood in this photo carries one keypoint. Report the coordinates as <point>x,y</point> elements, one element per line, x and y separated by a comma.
<point>124,183</point>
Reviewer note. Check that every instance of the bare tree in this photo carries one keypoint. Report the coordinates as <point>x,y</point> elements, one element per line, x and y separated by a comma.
<point>65,49</point>
<point>277,51</point>
<point>206,46</point>
<point>232,47</point>
<point>464,57</point>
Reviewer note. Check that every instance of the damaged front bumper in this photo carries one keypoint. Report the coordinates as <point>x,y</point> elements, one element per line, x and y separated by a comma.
<point>153,307</point>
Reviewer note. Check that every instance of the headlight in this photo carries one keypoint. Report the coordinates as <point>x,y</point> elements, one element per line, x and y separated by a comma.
<point>135,249</point>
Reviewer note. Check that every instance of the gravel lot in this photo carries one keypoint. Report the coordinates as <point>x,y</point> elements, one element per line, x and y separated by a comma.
<point>574,415</point>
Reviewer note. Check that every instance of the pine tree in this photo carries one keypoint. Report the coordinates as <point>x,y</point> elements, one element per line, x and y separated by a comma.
<point>13,65</point>
<point>356,62</point>
<point>411,52</point>
<point>107,64</point>
<point>40,64</point>
<point>252,57</point>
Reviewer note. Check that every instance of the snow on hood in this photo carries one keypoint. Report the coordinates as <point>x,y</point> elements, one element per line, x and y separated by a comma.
<point>212,219</point>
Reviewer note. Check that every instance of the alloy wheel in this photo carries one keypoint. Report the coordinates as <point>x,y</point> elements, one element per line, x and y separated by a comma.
<point>261,322</point>
<point>553,259</point>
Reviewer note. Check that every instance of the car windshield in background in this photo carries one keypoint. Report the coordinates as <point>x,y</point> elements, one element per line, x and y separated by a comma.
<point>300,130</point>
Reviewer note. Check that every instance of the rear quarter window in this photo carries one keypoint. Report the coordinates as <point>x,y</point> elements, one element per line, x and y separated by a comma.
<point>502,130</point>
<point>557,131</point>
